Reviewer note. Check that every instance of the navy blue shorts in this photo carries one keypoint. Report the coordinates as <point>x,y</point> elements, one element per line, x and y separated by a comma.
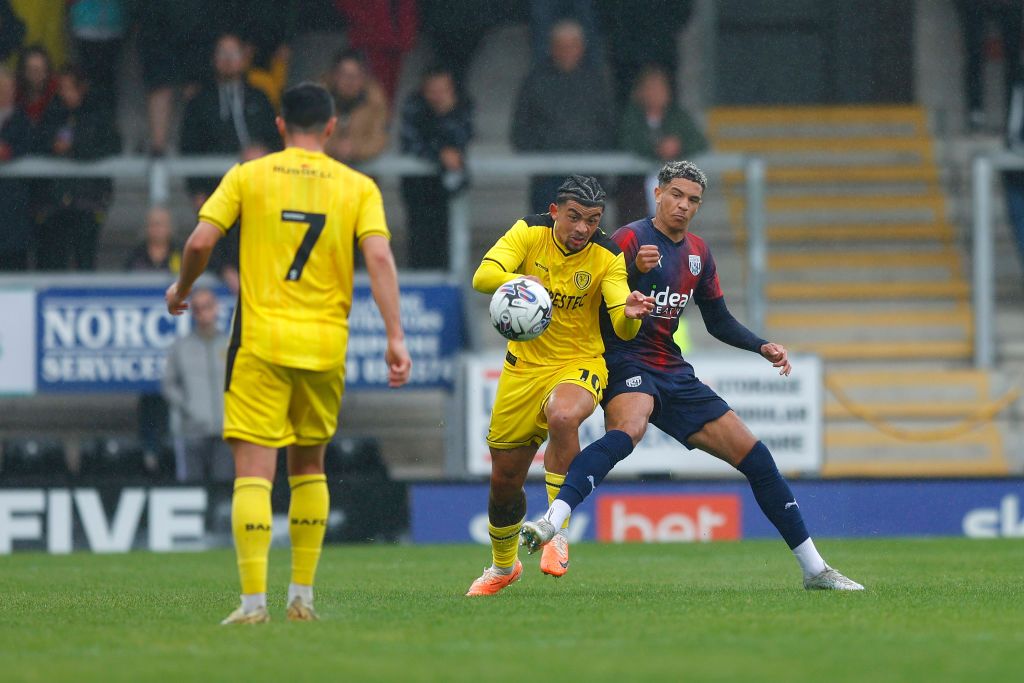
<point>682,403</point>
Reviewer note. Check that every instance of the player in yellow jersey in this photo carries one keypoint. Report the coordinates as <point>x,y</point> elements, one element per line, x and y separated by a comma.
<point>551,384</point>
<point>301,213</point>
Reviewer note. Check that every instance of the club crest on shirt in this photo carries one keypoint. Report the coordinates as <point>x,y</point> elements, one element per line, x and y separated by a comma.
<point>695,264</point>
<point>581,278</point>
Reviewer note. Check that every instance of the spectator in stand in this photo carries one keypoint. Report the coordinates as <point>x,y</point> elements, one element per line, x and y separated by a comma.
<point>158,250</point>
<point>98,28</point>
<point>456,28</point>
<point>361,108</point>
<point>653,126</point>
<point>75,126</point>
<point>157,254</point>
<point>174,41</point>
<point>15,140</point>
<point>437,125</point>
<point>546,14</point>
<point>36,82</point>
<point>228,117</point>
<point>44,23</point>
<point>12,31</point>
<point>193,387</point>
<point>638,39</point>
<point>563,105</point>
<point>977,17</point>
<point>384,30</point>
<point>1013,181</point>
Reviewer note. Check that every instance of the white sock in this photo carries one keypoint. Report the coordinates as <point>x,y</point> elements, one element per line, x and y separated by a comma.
<point>252,601</point>
<point>504,571</point>
<point>558,513</point>
<point>809,559</point>
<point>297,590</point>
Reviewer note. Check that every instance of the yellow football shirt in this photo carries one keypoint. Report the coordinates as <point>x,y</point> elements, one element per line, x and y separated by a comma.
<point>577,283</point>
<point>301,215</point>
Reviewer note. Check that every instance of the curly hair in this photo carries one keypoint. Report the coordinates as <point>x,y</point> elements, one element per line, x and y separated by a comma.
<point>682,169</point>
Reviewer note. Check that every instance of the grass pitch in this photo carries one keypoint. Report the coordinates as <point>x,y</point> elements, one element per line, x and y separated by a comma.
<point>935,610</point>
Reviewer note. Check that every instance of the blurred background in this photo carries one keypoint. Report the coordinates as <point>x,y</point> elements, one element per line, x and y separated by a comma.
<point>865,208</point>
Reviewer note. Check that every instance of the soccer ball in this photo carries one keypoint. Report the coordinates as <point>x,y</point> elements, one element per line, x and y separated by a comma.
<point>521,310</point>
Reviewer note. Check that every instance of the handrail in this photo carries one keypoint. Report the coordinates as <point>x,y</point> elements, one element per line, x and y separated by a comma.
<point>159,171</point>
<point>983,278</point>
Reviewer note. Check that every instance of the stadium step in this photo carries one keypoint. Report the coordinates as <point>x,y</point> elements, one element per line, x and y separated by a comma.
<point>858,291</point>
<point>864,260</point>
<point>855,198</point>
<point>848,174</point>
<point>859,232</point>
<point>910,350</point>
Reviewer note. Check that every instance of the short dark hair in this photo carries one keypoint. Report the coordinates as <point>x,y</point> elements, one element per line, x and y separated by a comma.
<point>349,54</point>
<point>306,107</point>
<point>687,170</point>
<point>581,188</point>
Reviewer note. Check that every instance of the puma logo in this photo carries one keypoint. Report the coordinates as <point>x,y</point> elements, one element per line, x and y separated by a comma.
<point>791,505</point>
<point>590,478</point>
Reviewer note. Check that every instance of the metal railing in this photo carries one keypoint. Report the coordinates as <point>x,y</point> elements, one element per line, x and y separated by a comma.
<point>160,172</point>
<point>983,170</point>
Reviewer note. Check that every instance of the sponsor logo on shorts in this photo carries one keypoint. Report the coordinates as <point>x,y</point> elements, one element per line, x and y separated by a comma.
<point>668,518</point>
<point>634,382</point>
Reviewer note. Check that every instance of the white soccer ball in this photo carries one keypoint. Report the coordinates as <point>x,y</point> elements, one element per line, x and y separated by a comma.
<point>521,309</point>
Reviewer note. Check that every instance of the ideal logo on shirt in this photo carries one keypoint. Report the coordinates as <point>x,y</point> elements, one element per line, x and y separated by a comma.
<point>669,304</point>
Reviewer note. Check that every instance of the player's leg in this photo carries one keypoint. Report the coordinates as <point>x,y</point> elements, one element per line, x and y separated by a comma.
<point>308,509</point>
<point>251,518</point>
<point>255,426</point>
<point>506,507</point>
<point>313,415</point>
<point>515,432</point>
<point>627,409</point>
<point>728,439</point>
<point>571,401</point>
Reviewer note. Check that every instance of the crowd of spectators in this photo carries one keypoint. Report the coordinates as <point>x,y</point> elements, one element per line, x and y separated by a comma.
<point>223,65</point>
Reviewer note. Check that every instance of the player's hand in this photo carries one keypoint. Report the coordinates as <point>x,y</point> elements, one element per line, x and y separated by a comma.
<point>638,305</point>
<point>647,258</point>
<point>779,357</point>
<point>399,362</point>
<point>176,304</point>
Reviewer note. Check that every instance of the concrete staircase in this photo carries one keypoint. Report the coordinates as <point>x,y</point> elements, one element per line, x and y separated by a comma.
<point>865,270</point>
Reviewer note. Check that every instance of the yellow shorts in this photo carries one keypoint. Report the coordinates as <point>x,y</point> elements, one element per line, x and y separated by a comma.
<point>517,418</point>
<point>275,406</point>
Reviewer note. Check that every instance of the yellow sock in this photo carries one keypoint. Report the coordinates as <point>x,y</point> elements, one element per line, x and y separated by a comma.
<point>553,483</point>
<point>307,517</point>
<point>250,524</point>
<point>504,543</point>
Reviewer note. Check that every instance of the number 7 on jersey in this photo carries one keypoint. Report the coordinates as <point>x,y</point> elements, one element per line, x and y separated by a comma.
<point>316,222</point>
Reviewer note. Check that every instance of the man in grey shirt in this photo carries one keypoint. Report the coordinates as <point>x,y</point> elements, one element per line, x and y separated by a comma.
<point>194,388</point>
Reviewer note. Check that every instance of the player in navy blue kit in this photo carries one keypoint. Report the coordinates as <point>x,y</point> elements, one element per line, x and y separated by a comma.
<point>649,381</point>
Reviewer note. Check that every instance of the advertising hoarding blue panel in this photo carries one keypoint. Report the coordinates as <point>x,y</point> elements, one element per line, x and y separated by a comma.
<point>115,339</point>
<point>698,511</point>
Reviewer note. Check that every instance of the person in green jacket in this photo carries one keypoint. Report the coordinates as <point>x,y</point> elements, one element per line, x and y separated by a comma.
<point>653,126</point>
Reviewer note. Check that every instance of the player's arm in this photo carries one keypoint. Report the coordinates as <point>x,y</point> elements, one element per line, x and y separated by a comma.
<point>500,263</point>
<point>625,309</point>
<point>216,217</point>
<point>194,258</point>
<point>374,241</point>
<point>725,328</point>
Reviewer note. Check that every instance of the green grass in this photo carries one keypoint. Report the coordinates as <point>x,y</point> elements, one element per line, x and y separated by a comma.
<point>935,610</point>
